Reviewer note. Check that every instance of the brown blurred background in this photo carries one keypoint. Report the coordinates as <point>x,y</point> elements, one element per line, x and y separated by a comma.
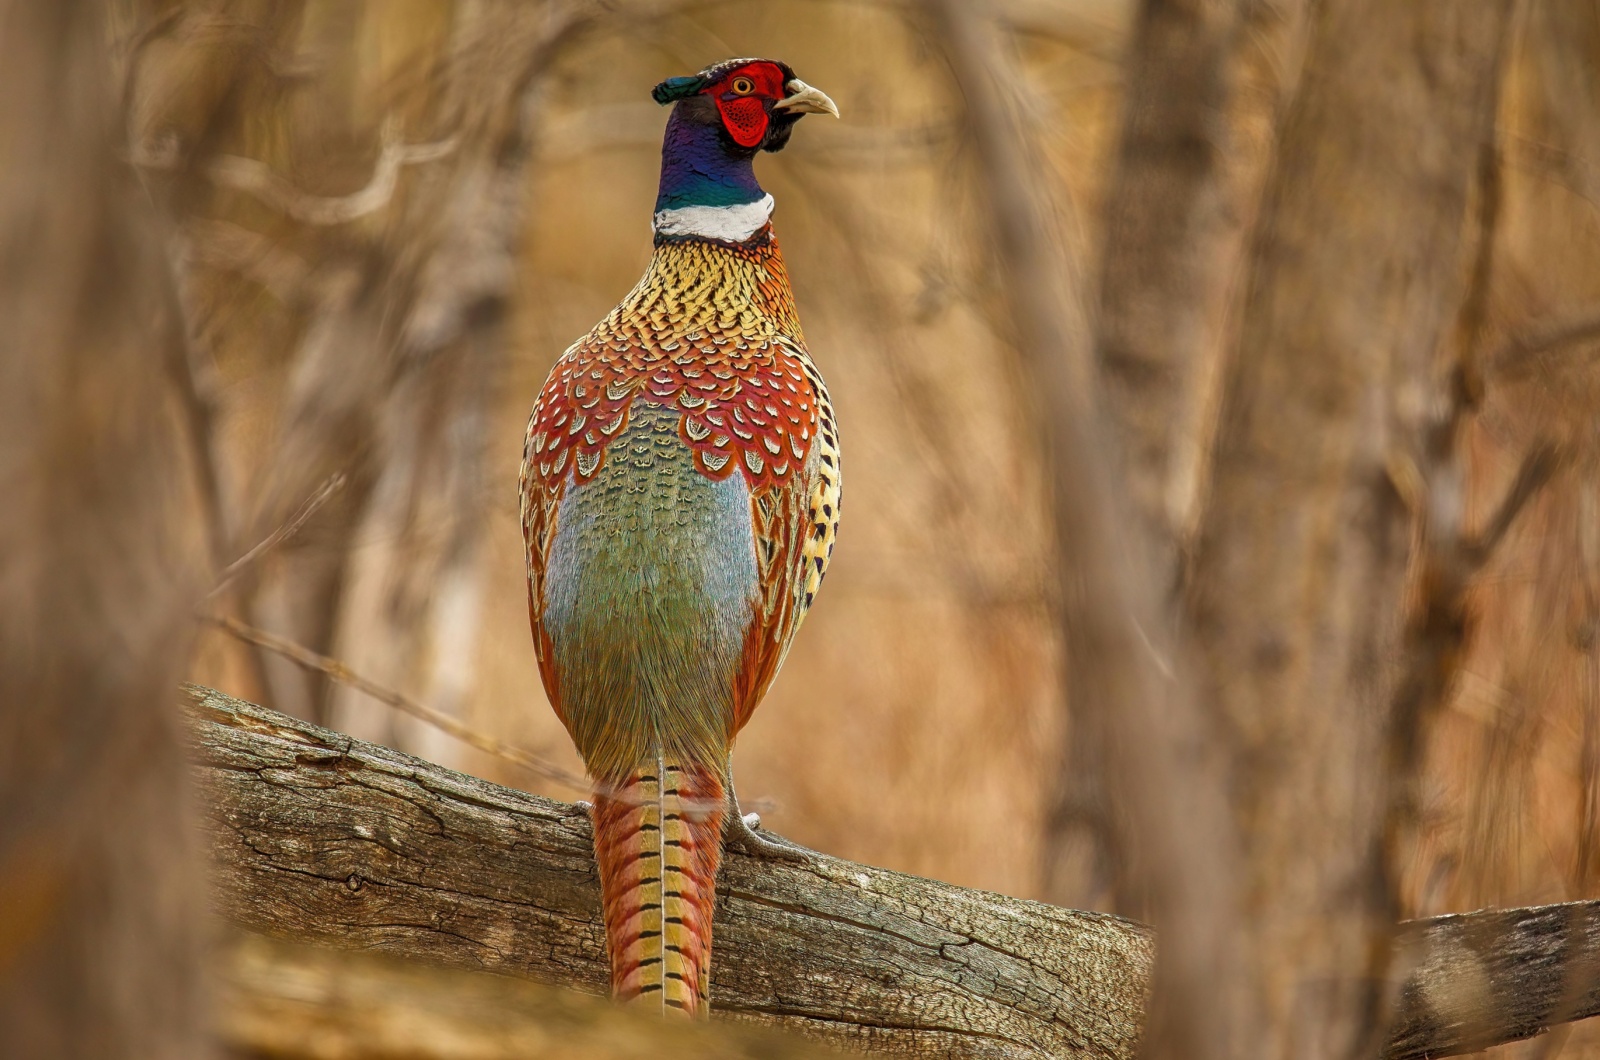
<point>916,713</point>
<point>384,220</point>
<point>914,719</point>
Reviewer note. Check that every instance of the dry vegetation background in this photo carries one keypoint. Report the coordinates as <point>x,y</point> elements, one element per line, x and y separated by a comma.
<point>382,222</point>
<point>914,723</point>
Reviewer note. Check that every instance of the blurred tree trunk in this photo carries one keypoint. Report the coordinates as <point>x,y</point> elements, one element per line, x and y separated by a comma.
<point>1299,569</point>
<point>412,618</point>
<point>1206,80</point>
<point>368,172</point>
<point>99,893</point>
<point>1205,83</point>
<point>1172,807</point>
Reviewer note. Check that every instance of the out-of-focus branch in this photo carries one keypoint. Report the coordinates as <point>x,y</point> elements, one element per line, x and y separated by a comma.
<point>1537,468</point>
<point>1119,656</point>
<point>259,259</point>
<point>337,671</point>
<point>1525,356</point>
<point>332,485</point>
<point>1436,635</point>
<point>258,179</point>
<point>195,385</point>
<point>279,998</point>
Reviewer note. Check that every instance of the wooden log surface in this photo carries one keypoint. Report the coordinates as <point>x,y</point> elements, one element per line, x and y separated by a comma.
<point>318,837</point>
<point>324,838</point>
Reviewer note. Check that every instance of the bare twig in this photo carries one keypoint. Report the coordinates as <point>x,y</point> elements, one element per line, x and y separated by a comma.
<point>332,485</point>
<point>194,383</point>
<point>337,671</point>
<point>256,178</point>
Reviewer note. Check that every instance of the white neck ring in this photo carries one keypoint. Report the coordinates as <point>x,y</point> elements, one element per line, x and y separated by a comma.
<point>733,224</point>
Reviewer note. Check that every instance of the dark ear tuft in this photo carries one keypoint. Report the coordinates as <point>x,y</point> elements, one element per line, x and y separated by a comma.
<point>675,88</point>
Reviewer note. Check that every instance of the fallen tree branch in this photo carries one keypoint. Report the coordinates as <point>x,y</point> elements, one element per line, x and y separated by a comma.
<point>322,838</point>
<point>1482,979</point>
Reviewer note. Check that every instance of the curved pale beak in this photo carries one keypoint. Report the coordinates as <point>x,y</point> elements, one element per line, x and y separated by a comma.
<point>806,100</point>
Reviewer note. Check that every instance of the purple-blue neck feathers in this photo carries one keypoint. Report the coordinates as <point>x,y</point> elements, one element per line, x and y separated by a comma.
<point>702,167</point>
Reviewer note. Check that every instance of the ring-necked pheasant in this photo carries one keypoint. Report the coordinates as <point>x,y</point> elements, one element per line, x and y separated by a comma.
<point>680,499</point>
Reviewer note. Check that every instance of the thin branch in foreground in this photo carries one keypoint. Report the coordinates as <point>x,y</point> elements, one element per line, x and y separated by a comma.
<point>338,671</point>
<point>333,484</point>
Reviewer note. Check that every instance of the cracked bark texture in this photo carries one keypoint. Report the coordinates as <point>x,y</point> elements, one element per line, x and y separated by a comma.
<point>320,838</point>
<point>323,838</point>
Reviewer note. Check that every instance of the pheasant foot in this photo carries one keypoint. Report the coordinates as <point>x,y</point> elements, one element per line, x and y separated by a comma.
<point>740,833</point>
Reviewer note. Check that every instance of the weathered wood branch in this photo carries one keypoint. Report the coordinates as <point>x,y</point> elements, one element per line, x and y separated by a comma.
<point>319,837</point>
<point>1481,979</point>
<point>323,838</point>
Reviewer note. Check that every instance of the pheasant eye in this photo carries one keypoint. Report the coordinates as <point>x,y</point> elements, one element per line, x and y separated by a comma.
<point>743,86</point>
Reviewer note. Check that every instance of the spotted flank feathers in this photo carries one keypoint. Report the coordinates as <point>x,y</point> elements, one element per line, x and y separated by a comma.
<point>822,507</point>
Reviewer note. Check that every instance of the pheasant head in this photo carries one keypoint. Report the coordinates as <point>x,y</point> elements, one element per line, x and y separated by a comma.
<point>722,118</point>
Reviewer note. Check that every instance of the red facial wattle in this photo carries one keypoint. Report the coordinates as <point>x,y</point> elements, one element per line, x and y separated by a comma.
<point>745,116</point>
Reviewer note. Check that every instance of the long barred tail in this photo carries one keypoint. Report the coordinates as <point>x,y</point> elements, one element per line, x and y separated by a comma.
<point>658,841</point>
